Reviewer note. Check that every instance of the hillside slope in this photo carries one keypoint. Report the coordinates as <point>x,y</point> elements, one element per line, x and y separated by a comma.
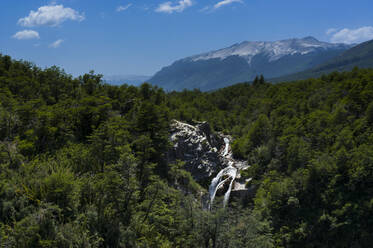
<point>359,56</point>
<point>87,164</point>
<point>242,62</point>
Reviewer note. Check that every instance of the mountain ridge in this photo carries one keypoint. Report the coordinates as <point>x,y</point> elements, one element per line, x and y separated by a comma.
<point>131,79</point>
<point>360,55</point>
<point>275,49</point>
<point>243,61</point>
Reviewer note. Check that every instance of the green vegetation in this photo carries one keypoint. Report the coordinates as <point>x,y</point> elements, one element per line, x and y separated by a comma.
<point>83,164</point>
<point>358,56</point>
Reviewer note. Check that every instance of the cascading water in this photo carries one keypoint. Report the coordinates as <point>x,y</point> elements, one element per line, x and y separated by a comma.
<point>226,149</point>
<point>228,193</point>
<point>229,173</point>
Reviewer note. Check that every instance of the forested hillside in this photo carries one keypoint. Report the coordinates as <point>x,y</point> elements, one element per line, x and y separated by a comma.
<point>358,56</point>
<point>83,164</point>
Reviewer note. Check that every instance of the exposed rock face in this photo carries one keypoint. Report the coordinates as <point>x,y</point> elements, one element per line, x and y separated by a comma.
<point>198,148</point>
<point>205,154</point>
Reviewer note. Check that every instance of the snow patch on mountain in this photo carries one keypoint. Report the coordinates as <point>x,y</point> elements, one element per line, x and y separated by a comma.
<point>273,50</point>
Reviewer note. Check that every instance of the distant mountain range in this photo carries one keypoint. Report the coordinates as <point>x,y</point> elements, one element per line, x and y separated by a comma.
<point>242,62</point>
<point>358,56</point>
<point>126,79</point>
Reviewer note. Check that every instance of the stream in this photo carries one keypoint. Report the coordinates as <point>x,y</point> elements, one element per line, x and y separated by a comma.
<point>227,174</point>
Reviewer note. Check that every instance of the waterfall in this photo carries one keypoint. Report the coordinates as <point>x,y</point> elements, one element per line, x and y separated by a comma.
<point>229,172</point>
<point>226,149</point>
<point>215,185</point>
<point>228,193</point>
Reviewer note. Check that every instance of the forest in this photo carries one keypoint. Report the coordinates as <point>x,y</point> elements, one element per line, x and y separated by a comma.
<point>83,163</point>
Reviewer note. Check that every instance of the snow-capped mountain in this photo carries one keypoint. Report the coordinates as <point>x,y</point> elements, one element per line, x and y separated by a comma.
<point>274,50</point>
<point>243,61</point>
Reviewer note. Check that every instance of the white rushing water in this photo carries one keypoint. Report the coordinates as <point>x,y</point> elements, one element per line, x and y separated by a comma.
<point>228,193</point>
<point>229,173</point>
<point>226,149</point>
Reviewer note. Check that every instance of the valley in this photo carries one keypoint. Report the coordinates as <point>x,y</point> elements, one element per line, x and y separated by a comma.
<point>85,163</point>
<point>186,124</point>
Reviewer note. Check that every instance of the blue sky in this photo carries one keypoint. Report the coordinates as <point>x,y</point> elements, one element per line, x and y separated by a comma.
<point>119,37</point>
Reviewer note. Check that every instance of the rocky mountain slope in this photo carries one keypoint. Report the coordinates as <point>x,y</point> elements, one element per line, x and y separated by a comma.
<point>242,62</point>
<point>359,56</point>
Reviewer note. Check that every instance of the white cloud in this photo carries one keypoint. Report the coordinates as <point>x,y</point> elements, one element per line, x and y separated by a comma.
<point>351,36</point>
<point>226,2</point>
<point>26,35</point>
<point>205,9</point>
<point>331,31</point>
<point>56,44</point>
<point>168,7</point>
<point>123,8</point>
<point>210,9</point>
<point>50,15</point>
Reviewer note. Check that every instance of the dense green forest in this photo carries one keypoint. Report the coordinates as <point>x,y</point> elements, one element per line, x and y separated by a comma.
<point>83,163</point>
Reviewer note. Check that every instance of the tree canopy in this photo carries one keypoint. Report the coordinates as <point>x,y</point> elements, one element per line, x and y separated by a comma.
<point>83,163</point>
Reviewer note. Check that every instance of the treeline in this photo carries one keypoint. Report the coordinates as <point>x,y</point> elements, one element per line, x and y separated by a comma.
<point>83,163</point>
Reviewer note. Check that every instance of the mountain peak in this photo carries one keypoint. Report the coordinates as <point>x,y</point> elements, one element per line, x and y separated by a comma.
<point>273,50</point>
<point>243,61</point>
<point>311,39</point>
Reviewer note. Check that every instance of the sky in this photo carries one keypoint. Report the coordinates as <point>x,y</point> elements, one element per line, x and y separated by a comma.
<point>138,37</point>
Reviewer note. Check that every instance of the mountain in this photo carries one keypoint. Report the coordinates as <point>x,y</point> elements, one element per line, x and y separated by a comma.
<point>357,56</point>
<point>243,61</point>
<point>126,79</point>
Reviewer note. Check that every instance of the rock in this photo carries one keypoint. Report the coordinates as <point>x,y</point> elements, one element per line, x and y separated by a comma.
<point>205,155</point>
<point>245,194</point>
<point>198,147</point>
